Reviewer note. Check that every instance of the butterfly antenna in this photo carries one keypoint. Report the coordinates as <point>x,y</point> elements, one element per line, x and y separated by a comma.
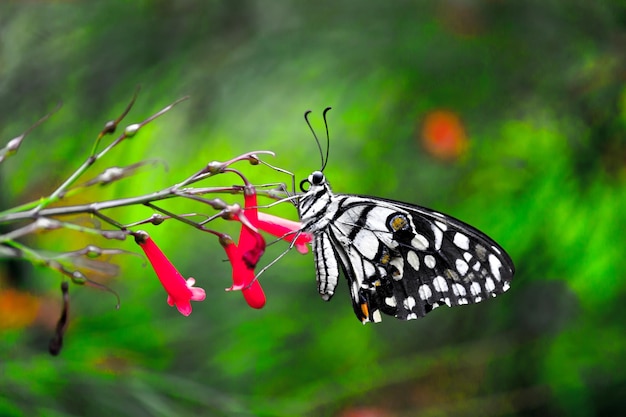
<point>327,137</point>
<point>319,145</point>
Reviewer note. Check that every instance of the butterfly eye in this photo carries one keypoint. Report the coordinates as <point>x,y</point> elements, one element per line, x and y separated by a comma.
<point>316,178</point>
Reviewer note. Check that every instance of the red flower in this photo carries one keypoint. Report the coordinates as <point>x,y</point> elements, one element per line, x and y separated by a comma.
<point>243,264</point>
<point>251,243</point>
<point>275,226</point>
<point>284,229</point>
<point>180,291</point>
<point>245,256</point>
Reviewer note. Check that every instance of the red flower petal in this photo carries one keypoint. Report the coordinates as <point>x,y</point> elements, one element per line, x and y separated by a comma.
<point>251,244</point>
<point>284,229</point>
<point>254,295</point>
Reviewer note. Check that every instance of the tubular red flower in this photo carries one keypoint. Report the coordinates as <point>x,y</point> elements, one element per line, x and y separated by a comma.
<point>251,243</point>
<point>180,291</point>
<point>245,256</point>
<point>284,229</point>
<point>281,228</point>
<point>243,270</point>
<point>287,230</point>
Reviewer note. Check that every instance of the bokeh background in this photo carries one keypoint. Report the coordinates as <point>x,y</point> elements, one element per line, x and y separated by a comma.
<point>508,115</point>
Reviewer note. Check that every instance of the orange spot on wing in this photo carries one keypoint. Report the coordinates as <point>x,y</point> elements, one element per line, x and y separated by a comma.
<point>365,310</point>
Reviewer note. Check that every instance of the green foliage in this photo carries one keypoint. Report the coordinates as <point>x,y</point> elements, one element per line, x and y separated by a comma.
<point>539,89</point>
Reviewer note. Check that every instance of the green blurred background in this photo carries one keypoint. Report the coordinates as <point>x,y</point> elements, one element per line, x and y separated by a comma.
<point>535,92</point>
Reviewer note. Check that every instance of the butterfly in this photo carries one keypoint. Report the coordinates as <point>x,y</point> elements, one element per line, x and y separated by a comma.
<point>400,259</point>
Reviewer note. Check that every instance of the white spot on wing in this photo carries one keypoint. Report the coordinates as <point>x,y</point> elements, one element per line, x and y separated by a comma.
<point>447,301</point>
<point>413,260</point>
<point>391,301</point>
<point>440,284</point>
<point>442,226</point>
<point>462,301</point>
<point>489,285</point>
<point>438,237</point>
<point>458,290</point>
<point>478,299</point>
<point>505,286</point>
<point>411,316</point>
<point>419,242</point>
<point>461,241</point>
<point>409,303</point>
<point>467,256</point>
<point>429,261</point>
<point>494,265</point>
<point>461,266</point>
<point>376,316</point>
<point>475,289</point>
<point>424,292</point>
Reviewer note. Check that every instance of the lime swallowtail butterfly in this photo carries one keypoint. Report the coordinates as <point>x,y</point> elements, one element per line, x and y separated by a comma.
<point>399,259</point>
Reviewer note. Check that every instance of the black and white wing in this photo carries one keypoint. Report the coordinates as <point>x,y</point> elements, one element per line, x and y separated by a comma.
<point>399,259</point>
<point>405,260</point>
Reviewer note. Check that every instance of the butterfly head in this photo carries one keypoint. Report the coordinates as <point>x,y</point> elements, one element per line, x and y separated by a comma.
<point>315,200</point>
<point>314,182</point>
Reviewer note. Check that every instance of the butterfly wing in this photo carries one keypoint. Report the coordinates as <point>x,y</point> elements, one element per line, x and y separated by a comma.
<point>405,260</point>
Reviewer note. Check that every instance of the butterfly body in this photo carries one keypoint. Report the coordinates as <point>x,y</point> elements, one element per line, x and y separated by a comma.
<point>399,259</point>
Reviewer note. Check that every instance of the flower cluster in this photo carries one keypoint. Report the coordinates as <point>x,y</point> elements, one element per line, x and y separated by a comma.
<point>243,256</point>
